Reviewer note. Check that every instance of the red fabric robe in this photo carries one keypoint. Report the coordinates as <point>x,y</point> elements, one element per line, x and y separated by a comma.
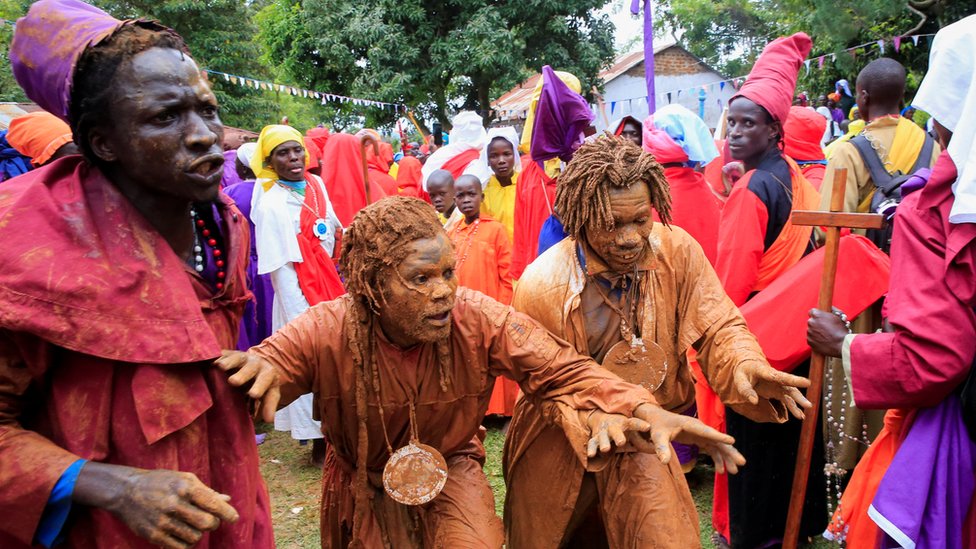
<point>379,168</point>
<point>408,177</point>
<point>694,208</point>
<point>342,173</point>
<point>106,347</point>
<point>535,196</point>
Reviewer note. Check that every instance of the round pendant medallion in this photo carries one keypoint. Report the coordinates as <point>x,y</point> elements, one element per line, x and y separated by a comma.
<point>320,228</point>
<point>415,474</point>
<point>644,364</point>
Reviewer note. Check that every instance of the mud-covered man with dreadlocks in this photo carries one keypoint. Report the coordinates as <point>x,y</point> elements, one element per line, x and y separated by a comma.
<point>402,369</point>
<point>635,296</point>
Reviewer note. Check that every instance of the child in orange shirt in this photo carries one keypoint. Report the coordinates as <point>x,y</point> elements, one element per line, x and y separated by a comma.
<point>484,255</point>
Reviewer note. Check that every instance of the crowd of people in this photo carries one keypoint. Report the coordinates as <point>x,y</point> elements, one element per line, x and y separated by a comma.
<point>633,301</point>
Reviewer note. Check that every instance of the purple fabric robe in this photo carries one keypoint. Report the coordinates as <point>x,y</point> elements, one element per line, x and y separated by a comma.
<point>256,325</point>
<point>924,496</point>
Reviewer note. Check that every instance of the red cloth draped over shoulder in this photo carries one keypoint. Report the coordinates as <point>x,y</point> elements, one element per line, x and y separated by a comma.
<point>379,168</point>
<point>459,163</point>
<point>535,195</point>
<point>694,208</point>
<point>342,172</point>
<point>316,271</point>
<point>409,177</point>
<point>777,315</point>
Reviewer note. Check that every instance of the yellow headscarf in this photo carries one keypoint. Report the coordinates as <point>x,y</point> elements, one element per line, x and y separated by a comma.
<point>272,136</point>
<point>569,80</point>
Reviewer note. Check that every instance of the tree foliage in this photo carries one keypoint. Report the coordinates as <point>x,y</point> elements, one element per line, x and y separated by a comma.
<point>220,35</point>
<point>437,55</point>
<point>730,34</point>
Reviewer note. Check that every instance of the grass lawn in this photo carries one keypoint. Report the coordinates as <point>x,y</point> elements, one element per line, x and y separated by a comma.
<point>295,489</point>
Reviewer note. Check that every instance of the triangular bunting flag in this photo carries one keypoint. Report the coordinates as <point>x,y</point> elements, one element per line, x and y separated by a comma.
<point>896,41</point>
<point>678,94</point>
<point>226,76</point>
<point>613,106</point>
<point>915,39</point>
<point>233,79</point>
<point>881,46</point>
<point>820,62</point>
<point>806,64</point>
<point>721,86</point>
<point>669,97</point>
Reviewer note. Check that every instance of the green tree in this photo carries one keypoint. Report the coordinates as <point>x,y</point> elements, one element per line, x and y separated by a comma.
<point>221,36</point>
<point>436,55</point>
<point>730,34</point>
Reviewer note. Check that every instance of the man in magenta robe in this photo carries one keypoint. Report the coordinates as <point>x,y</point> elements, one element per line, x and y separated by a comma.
<point>915,485</point>
<point>123,279</point>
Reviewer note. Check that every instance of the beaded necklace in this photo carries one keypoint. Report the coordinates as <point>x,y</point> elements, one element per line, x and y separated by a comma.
<point>202,232</point>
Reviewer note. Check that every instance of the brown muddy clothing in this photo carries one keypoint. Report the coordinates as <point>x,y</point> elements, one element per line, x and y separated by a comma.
<point>683,306</point>
<point>488,340</point>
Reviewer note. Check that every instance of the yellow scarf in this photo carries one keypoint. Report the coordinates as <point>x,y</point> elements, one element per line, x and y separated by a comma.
<point>272,136</point>
<point>905,149</point>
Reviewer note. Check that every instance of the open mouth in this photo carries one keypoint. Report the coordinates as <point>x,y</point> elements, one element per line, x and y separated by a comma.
<point>206,166</point>
<point>440,318</point>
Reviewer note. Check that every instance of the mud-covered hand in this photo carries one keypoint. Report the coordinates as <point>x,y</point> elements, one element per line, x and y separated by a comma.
<point>668,426</point>
<point>245,368</point>
<point>755,380</point>
<point>610,430</point>
<point>826,331</point>
<point>170,509</point>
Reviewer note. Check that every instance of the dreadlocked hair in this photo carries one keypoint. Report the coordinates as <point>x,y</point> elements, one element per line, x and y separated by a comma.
<point>93,92</point>
<point>608,162</point>
<point>374,244</point>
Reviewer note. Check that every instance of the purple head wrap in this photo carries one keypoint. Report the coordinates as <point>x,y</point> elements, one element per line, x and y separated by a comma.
<point>560,118</point>
<point>47,44</point>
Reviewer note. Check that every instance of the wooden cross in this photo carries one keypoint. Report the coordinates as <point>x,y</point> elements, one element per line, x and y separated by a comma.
<point>833,220</point>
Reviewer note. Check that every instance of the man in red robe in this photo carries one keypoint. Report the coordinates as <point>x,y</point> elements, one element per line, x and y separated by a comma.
<point>379,168</point>
<point>123,279</point>
<point>757,244</point>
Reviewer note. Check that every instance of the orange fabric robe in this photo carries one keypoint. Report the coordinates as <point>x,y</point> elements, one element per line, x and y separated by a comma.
<point>684,307</point>
<point>487,340</point>
<point>484,258</point>
<point>106,346</point>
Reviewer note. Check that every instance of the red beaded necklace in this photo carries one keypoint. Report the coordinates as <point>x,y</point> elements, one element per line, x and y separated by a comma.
<point>201,231</point>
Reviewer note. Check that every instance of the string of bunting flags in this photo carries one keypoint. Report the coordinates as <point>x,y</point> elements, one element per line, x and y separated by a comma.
<point>248,82</point>
<point>670,96</point>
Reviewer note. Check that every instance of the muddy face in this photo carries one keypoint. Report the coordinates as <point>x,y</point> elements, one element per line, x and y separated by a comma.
<point>623,246</point>
<point>166,136</point>
<point>419,295</point>
<point>288,161</point>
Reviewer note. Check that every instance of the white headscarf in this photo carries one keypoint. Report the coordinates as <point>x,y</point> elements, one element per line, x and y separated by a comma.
<point>688,131</point>
<point>245,152</point>
<point>467,133</point>
<point>508,133</point>
<point>948,93</point>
